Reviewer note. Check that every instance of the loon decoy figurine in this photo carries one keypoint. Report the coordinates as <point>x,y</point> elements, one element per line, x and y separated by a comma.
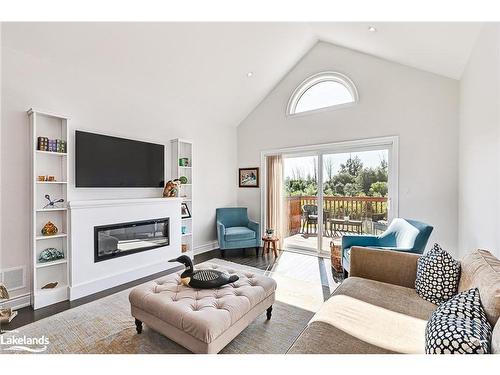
<point>202,279</point>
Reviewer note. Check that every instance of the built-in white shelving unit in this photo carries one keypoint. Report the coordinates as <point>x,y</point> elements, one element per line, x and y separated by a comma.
<point>183,150</point>
<point>45,163</point>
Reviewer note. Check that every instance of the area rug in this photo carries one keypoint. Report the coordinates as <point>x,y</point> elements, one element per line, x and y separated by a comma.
<point>106,326</point>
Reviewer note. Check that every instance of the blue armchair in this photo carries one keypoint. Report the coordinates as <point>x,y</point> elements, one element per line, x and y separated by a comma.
<point>406,235</point>
<point>235,230</point>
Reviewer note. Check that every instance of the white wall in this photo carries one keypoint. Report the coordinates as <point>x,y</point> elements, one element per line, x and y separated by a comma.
<point>99,102</point>
<point>479,145</point>
<point>420,107</point>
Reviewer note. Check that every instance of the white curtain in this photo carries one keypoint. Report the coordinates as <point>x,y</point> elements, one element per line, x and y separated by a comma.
<point>274,196</point>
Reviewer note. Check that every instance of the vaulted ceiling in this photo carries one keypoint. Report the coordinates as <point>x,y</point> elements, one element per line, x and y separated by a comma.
<point>207,65</point>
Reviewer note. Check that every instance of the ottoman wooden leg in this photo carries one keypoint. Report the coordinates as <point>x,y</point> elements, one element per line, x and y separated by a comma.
<point>138,326</point>
<point>269,313</point>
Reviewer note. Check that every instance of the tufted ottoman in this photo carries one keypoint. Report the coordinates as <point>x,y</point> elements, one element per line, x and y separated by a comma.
<point>202,320</point>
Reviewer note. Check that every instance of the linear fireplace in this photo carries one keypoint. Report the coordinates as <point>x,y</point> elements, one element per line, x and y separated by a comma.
<point>116,240</point>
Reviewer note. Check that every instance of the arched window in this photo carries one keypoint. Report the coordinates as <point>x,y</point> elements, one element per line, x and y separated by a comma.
<point>322,90</point>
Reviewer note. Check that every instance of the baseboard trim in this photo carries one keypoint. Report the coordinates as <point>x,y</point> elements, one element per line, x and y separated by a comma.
<point>206,247</point>
<point>18,302</point>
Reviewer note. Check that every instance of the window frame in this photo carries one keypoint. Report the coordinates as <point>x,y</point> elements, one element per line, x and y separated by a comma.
<point>326,76</point>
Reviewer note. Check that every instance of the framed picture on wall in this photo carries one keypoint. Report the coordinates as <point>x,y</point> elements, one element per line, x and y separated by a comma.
<point>249,177</point>
<point>185,211</point>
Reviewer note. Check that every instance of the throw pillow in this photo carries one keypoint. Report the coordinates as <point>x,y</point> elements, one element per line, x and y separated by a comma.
<point>438,275</point>
<point>459,326</point>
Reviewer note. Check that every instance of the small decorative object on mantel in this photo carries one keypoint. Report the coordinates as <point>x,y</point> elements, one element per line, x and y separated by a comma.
<point>51,178</point>
<point>50,285</point>
<point>184,162</point>
<point>184,247</point>
<point>49,229</point>
<point>249,177</point>
<point>50,254</point>
<point>41,178</point>
<point>183,180</point>
<point>171,189</point>
<point>269,232</point>
<point>52,203</point>
<point>185,214</point>
<point>6,315</point>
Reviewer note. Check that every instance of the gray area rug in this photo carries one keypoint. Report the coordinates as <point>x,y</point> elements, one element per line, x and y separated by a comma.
<point>105,326</point>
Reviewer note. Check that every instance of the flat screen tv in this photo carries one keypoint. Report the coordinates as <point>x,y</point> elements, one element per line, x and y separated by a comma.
<point>104,161</point>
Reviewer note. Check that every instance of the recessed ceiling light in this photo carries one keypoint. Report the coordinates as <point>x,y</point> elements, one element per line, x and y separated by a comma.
<point>249,74</point>
<point>372,29</point>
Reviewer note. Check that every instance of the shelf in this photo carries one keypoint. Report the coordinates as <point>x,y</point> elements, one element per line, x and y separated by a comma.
<point>186,218</point>
<point>186,199</point>
<point>60,235</point>
<point>52,153</point>
<point>185,184</point>
<point>51,182</point>
<point>187,234</point>
<point>53,263</point>
<point>51,209</point>
<point>185,167</point>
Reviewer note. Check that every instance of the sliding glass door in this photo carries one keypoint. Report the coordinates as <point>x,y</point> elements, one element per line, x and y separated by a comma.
<point>328,193</point>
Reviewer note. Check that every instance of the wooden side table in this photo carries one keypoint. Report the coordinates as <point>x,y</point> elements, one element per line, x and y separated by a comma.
<point>268,242</point>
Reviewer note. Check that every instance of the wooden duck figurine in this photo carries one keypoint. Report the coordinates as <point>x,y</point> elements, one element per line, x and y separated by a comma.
<point>202,279</point>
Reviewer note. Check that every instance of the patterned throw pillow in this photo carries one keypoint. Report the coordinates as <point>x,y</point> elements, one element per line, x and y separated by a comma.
<point>438,275</point>
<point>459,326</point>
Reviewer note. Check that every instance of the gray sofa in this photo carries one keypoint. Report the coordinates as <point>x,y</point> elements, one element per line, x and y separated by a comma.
<point>376,310</point>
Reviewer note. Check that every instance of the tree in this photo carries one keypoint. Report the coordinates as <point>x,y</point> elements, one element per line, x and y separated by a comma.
<point>379,189</point>
<point>352,166</point>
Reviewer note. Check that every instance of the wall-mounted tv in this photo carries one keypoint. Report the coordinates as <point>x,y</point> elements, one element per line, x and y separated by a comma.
<point>102,161</point>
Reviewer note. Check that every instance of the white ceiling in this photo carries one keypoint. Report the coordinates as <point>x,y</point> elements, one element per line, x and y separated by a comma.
<point>438,47</point>
<point>205,65</point>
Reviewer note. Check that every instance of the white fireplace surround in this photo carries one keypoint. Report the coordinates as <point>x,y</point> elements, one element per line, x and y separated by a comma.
<point>88,277</point>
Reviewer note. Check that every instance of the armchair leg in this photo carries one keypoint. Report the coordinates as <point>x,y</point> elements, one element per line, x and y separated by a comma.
<point>257,251</point>
<point>223,253</point>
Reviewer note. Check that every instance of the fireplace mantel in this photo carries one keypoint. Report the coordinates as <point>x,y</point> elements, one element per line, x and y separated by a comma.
<point>75,205</point>
<point>87,276</point>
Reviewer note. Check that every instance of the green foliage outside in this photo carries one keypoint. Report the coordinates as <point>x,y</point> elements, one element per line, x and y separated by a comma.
<point>352,180</point>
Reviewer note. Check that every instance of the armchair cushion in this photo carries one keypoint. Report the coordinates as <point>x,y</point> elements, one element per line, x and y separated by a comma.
<point>239,234</point>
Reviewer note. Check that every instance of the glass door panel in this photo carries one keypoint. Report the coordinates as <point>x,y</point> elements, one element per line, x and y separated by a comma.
<point>355,195</point>
<point>301,203</point>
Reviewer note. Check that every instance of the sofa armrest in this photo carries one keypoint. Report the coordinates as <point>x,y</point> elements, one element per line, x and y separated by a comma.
<point>387,266</point>
<point>221,231</point>
<point>256,228</point>
<point>358,240</point>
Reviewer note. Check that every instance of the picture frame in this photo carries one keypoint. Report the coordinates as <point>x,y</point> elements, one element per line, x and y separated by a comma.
<point>248,177</point>
<point>185,214</point>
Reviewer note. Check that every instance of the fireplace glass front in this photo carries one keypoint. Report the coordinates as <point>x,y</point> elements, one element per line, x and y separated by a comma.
<point>115,240</point>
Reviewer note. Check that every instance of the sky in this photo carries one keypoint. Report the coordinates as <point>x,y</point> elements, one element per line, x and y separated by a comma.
<point>306,163</point>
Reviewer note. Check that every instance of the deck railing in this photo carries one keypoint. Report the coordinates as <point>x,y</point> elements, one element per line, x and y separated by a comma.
<point>357,208</point>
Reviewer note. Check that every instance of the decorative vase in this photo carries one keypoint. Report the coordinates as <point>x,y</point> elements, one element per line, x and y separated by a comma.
<point>50,254</point>
<point>49,229</point>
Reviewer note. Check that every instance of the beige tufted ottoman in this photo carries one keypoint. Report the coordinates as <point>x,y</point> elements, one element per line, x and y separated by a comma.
<point>202,320</point>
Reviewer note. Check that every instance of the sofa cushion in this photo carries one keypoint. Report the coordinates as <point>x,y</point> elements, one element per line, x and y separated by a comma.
<point>323,338</point>
<point>459,326</point>
<point>367,316</point>
<point>481,270</point>
<point>392,297</point>
<point>239,234</point>
<point>437,276</point>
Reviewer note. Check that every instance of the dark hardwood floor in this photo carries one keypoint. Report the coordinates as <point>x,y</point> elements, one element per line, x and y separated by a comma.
<point>246,257</point>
